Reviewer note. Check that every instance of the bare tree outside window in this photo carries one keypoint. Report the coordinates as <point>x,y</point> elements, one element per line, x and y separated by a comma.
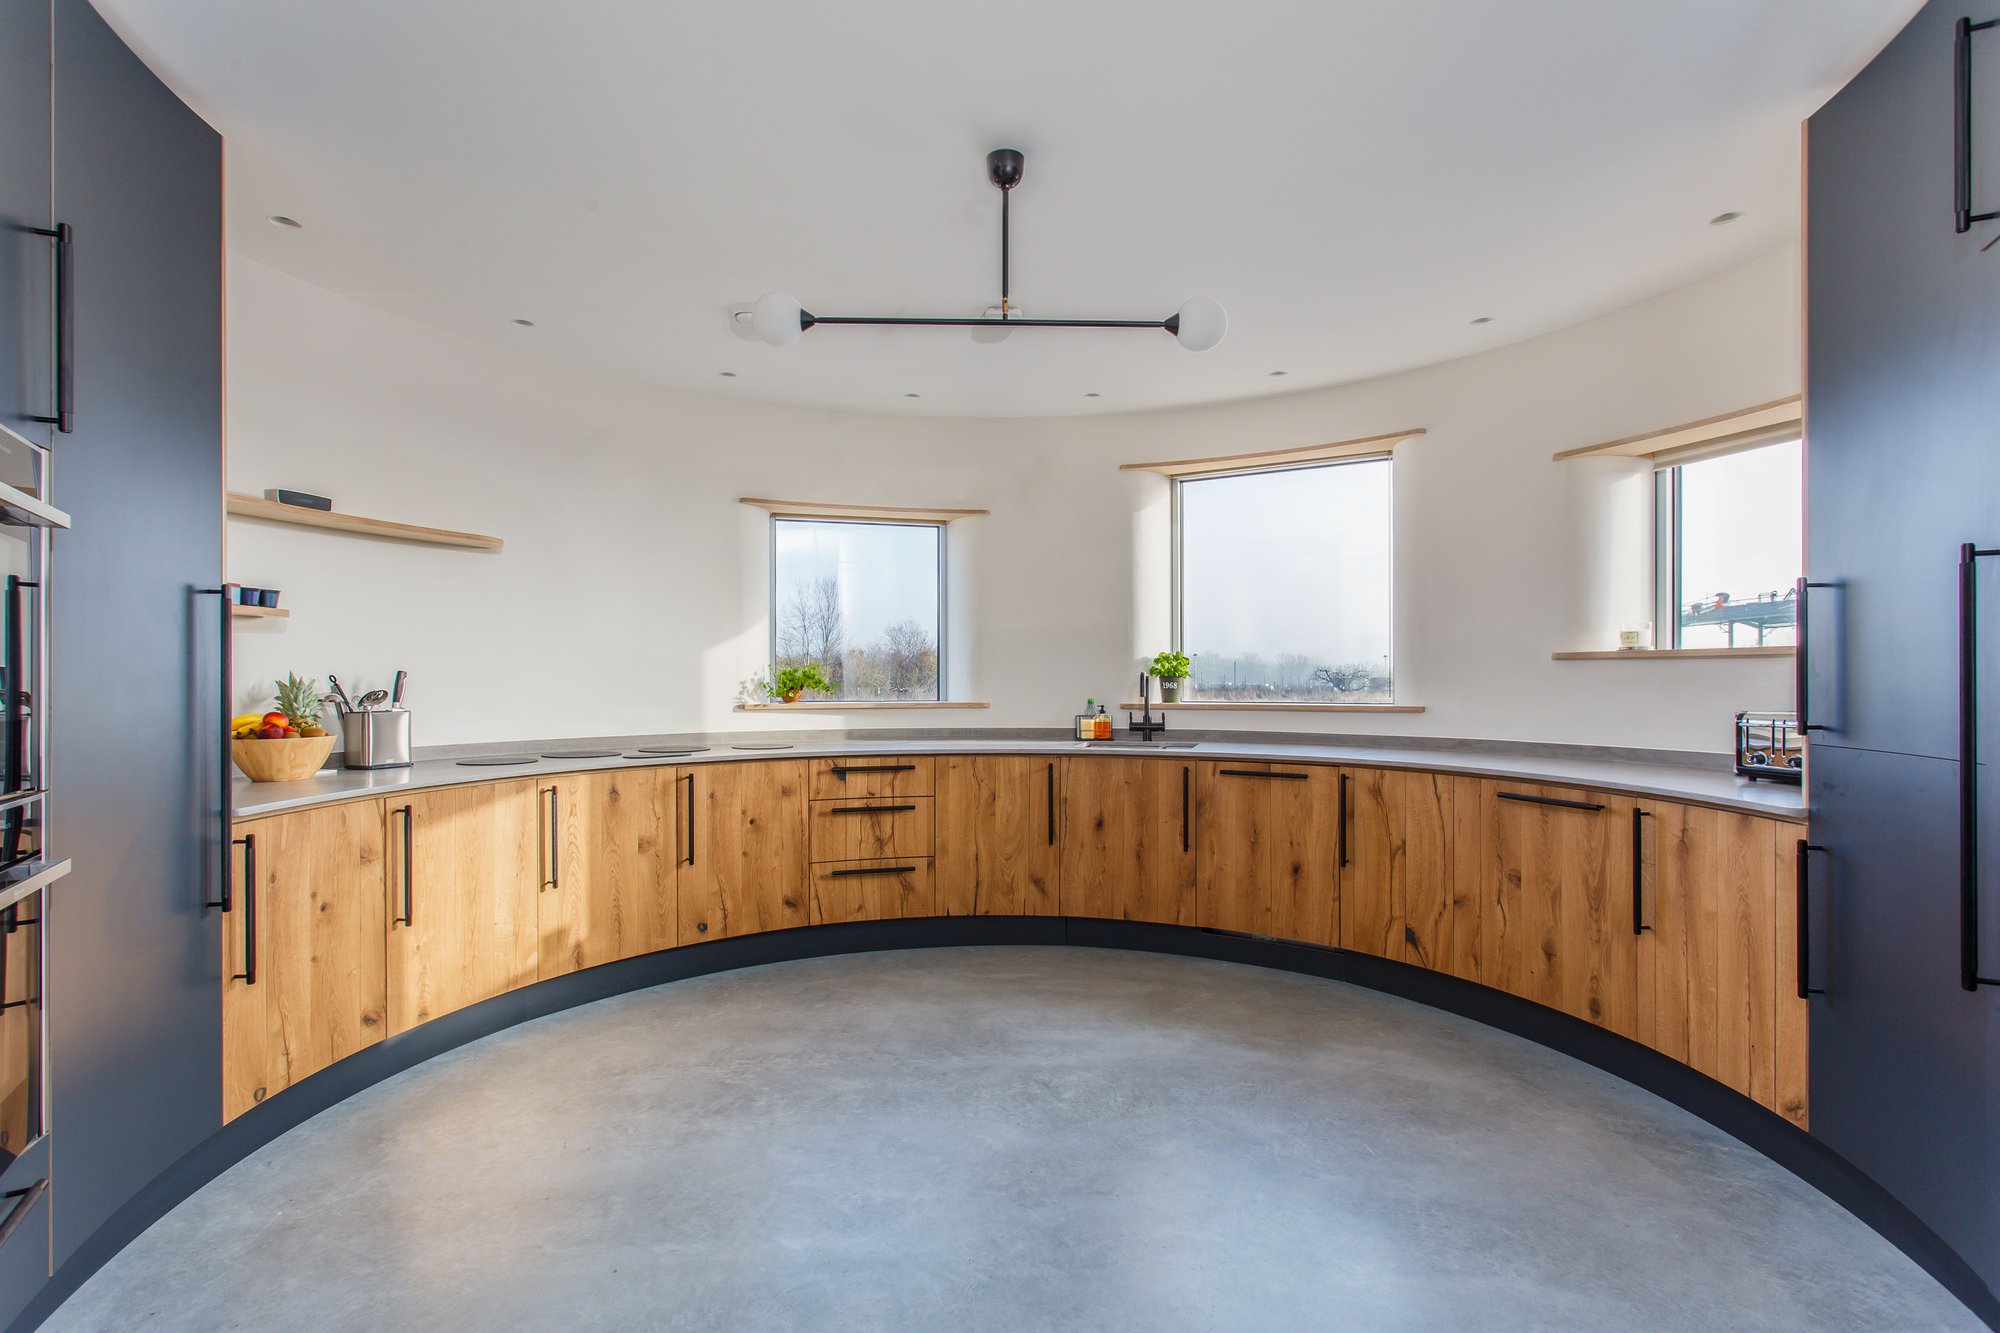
<point>863,601</point>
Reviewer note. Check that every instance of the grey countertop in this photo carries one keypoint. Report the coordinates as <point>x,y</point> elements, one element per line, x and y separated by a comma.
<point>1700,779</point>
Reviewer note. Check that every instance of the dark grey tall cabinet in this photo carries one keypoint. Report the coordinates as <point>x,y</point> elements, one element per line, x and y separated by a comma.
<point>91,139</point>
<point>1902,467</point>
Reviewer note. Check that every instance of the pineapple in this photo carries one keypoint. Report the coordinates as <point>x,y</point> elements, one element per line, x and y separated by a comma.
<point>300,701</point>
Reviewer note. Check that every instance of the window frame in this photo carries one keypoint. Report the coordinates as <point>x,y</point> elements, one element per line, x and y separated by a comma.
<point>1668,533</point>
<point>1177,585</point>
<point>942,528</point>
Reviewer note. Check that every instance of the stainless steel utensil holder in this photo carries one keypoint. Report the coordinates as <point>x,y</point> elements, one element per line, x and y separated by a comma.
<point>375,738</point>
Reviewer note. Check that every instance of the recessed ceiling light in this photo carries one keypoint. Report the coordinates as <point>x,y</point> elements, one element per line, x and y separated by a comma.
<point>727,374</point>
<point>1277,373</point>
<point>280,220</point>
<point>1483,319</point>
<point>1723,219</point>
<point>525,323</point>
<point>912,395</point>
<point>1093,395</point>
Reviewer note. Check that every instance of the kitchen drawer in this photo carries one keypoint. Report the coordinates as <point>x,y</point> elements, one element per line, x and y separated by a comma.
<point>872,775</point>
<point>858,829</point>
<point>875,890</point>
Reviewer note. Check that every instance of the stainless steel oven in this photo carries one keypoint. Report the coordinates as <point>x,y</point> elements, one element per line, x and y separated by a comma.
<point>28,525</point>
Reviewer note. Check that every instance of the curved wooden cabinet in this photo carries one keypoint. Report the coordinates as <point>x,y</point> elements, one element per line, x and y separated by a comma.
<point>1667,923</point>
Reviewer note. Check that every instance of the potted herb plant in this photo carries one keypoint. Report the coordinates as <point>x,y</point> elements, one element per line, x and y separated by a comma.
<point>1171,668</point>
<point>788,683</point>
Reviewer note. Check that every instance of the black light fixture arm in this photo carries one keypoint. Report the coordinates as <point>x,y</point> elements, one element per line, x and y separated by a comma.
<point>779,319</point>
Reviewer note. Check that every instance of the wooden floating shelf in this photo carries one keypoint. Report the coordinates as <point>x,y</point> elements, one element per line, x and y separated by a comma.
<point>251,612</point>
<point>249,506</point>
<point>855,706</point>
<point>1276,706</point>
<point>1649,654</point>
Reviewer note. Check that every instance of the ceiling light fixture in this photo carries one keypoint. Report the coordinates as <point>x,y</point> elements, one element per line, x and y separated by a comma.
<point>1723,219</point>
<point>1198,325</point>
<point>525,323</point>
<point>280,220</point>
<point>1279,374</point>
<point>1483,319</point>
<point>727,374</point>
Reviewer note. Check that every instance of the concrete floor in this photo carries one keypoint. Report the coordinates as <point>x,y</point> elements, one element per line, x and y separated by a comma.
<point>1002,1139</point>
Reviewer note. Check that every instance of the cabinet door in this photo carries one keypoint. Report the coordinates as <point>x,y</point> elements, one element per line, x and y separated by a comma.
<point>462,918</point>
<point>873,890</point>
<point>1401,892</point>
<point>303,964</point>
<point>26,262</point>
<point>997,848</point>
<point>1557,900</point>
<point>1269,860</point>
<point>1128,839</point>
<point>870,828</point>
<point>610,843</point>
<point>744,829</point>
<point>1791,1044</point>
<point>1708,956</point>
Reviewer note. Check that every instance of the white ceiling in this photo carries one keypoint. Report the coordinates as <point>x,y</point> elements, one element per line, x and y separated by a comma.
<point>1355,180</point>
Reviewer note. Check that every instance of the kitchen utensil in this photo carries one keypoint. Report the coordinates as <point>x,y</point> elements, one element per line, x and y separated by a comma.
<point>373,699</point>
<point>346,706</point>
<point>396,695</point>
<point>375,738</point>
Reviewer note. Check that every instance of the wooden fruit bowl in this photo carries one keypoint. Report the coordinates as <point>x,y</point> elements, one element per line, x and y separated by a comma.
<point>287,760</point>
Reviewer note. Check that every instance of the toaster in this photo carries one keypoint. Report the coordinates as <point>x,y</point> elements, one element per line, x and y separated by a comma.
<point>1770,745</point>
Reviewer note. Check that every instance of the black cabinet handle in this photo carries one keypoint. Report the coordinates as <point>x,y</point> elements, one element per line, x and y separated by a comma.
<point>690,847</point>
<point>1639,818</point>
<point>65,238</point>
<point>227,653</point>
<point>1052,803</point>
<point>842,770</point>
<point>1342,816</point>
<point>24,1201</point>
<point>555,839</point>
<point>1185,816</point>
<point>1800,589</point>
<point>1260,773</point>
<point>1963,216</point>
<point>1806,989</point>
<point>248,976</point>
<point>867,809</point>
<point>1968,764</point>
<point>1548,800</point>
<point>409,874</point>
<point>872,870</point>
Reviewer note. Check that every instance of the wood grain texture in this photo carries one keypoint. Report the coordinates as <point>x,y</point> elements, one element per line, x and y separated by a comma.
<point>614,891</point>
<point>1791,1045</point>
<point>1401,896</point>
<point>870,828</point>
<point>1556,902</point>
<point>1373,894</point>
<point>1268,854</point>
<point>1127,839</point>
<point>473,878</point>
<point>746,855</point>
<point>857,776</point>
<point>866,890</point>
<point>998,850</point>
<point>1709,962</point>
<point>321,991</point>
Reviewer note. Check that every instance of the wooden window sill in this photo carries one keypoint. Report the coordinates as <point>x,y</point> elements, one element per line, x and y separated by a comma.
<point>1277,706</point>
<point>856,705</point>
<point>1647,654</point>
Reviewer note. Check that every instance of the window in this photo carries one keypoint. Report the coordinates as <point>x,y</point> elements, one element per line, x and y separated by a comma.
<point>863,600</point>
<point>1729,532</point>
<point>1281,583</point>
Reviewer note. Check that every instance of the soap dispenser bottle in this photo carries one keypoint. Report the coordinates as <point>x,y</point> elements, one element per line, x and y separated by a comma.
<point>1102,725</point>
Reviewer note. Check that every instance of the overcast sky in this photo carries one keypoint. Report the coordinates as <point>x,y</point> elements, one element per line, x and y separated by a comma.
<point>886,571</point>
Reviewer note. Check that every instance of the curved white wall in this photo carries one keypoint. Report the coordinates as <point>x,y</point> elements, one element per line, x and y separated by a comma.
<point>631,595</point>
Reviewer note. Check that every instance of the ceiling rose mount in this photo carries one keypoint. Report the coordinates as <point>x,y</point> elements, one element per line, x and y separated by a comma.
<point>1198,325</point>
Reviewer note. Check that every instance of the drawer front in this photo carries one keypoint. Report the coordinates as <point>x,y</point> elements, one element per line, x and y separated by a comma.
<point>864,829</point>
<point>872,775</point>
<point>875,890</point>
